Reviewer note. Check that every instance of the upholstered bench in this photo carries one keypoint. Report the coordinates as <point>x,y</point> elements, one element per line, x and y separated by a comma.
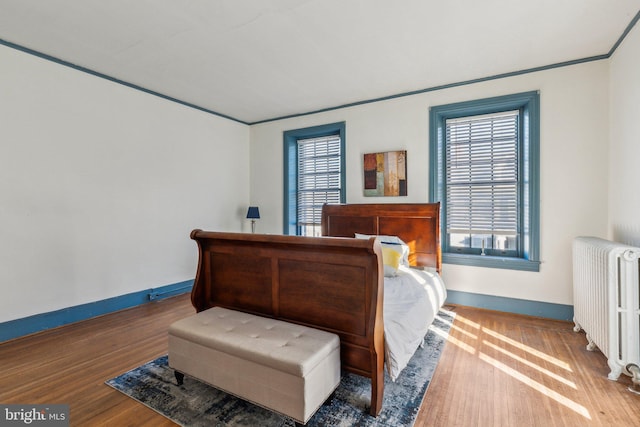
<point>288,368</point>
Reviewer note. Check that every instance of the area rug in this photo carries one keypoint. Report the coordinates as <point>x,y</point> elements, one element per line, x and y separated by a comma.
<point>198,404</point>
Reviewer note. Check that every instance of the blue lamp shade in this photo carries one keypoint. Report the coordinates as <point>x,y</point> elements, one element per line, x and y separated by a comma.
<point>253,213</point>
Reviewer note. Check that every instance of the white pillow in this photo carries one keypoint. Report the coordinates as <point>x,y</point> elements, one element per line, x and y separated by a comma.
<point>382,238</point>
<point>389,241</point>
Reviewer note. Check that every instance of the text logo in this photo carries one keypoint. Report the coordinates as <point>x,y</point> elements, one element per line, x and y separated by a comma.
<point>34,415</point>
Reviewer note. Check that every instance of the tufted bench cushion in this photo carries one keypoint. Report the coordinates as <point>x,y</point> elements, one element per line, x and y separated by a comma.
<point>288,368</point>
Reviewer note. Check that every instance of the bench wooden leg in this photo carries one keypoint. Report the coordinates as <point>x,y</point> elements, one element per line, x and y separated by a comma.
<point>179,377</point>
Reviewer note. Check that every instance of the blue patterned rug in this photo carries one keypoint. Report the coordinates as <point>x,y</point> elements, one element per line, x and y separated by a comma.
<point>198,404</point>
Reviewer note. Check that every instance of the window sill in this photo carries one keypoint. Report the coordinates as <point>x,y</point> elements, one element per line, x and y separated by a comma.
<point>491,262</point>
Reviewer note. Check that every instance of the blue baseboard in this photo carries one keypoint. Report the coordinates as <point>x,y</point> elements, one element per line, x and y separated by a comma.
<point>512,305</point>
<point>40,322</point>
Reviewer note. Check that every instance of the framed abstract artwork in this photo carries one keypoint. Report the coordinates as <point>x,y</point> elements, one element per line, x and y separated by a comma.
<point>385,174</point>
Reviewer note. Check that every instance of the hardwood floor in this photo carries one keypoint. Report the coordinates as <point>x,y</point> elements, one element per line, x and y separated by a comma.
<point>70,364</point>
<point>501,369</point>
<point>496,370</point>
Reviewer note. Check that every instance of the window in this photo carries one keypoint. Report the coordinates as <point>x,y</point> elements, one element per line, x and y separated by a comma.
<point>484,171</point>
<point>314,171</point>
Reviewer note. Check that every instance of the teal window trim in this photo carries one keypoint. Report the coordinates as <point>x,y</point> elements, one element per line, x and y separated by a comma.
<point>508,263</point>
<point>290,139</point>
<point>529,104</point>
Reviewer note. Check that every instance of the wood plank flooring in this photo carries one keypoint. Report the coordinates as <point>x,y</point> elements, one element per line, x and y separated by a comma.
<point>497,369</point>
<point>501,369</point>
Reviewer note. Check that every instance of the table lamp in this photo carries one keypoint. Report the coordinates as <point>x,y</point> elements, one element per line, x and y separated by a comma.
<point>253,213</point>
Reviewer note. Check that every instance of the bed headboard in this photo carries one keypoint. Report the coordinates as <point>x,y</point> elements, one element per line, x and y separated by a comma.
<point>417,224</point>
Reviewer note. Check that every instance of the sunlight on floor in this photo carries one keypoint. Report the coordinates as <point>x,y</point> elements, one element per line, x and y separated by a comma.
<point>462,331</point>
<point>458,328</point>
<point>531,365</point>
<point>537,386</point>
<point>514,373</point>
<point>528,349</point>
<point>467,322</point>
<point>466,347</point>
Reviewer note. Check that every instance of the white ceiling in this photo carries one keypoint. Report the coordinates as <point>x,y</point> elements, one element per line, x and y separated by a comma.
<point>255,60</point>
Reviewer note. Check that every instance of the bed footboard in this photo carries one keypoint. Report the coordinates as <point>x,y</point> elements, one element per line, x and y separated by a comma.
<point>329,283</point>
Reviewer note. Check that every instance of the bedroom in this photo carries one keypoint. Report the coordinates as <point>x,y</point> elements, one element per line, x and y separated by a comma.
<point>101,184</point>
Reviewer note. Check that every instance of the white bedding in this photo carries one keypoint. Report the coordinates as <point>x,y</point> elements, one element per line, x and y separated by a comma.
<point>411,302</point>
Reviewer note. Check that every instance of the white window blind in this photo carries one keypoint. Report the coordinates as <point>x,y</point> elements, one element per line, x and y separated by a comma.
<point>318,177</point>
<point>481,174</point>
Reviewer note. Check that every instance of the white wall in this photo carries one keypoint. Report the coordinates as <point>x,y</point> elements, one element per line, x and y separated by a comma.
<point>624,160</point>
<point>574,134</point>
<point>100,186</point>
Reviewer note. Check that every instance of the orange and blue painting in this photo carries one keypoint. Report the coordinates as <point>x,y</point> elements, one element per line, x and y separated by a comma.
<point>385,174</point>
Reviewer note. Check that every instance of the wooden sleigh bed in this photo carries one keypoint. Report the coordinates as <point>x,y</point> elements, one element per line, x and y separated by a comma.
<point>333,283</point>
